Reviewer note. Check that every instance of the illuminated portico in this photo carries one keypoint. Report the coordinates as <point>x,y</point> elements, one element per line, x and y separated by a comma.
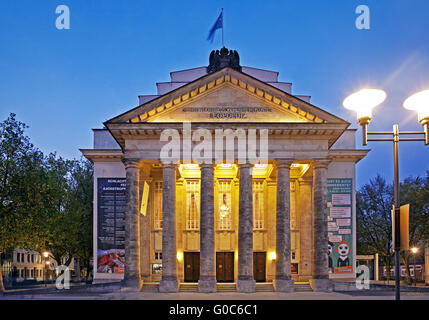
<point>228,220</point>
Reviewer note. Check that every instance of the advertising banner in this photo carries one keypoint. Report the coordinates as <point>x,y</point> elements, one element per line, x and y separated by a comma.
<point>111,225</point>
<point>340,225</point>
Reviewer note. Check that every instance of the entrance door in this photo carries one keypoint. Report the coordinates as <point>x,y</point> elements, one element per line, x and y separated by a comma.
<point>192,266</point>
<point>225,266</point>
<point>259,262</point>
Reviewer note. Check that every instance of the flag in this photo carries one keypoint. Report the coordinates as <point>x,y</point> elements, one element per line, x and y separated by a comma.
<point>218,25</point>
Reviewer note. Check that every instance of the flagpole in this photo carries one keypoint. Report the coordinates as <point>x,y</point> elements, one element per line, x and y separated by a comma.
<point>223,45</point>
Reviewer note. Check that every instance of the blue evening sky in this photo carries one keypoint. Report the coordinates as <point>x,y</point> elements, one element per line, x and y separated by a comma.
<point>63,83</point>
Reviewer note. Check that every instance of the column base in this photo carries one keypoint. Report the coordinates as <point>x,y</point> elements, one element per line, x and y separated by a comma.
<point>169,286</point>
<point>131,284</point>
<point>207,286</point>
<point>284,285</point>
<point>246,286</point>
<point>321,285</point>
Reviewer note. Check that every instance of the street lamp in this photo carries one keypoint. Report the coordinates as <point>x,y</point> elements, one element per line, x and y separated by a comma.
<point>363,102</point>
<point>414,251</point>
<point>45,256</point>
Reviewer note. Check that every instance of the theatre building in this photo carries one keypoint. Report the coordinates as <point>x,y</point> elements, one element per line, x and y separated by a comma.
<point>224,177</point>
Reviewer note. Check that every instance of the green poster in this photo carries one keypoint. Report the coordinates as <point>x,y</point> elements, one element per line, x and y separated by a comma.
<point>340,222</point>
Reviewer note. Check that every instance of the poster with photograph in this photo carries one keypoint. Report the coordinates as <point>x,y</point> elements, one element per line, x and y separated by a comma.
<point>340,225</point>
<point>111,225</point>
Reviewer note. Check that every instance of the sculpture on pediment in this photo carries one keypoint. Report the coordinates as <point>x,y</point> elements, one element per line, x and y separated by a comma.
<point>222,59</point>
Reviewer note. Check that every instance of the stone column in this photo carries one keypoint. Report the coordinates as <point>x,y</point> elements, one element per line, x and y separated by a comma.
<point>145,233</point>
<point>169,281</point>
<point>320,280</point>
<point>245,282</point>
<point>207,282</point>
<point>283,281</point>
<point>132,276</point>
<point>305,228</point>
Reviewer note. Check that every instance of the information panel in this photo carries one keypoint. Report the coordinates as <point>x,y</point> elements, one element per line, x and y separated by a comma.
<point>111,225</point>
<point>340,225</point>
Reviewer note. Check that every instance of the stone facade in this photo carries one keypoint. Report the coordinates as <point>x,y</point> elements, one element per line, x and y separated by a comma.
<point>233,221</point>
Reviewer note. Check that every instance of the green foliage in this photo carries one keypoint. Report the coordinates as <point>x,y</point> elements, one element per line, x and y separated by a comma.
<point>415,191</point>
<point>374,225</point>
<point>45,201</point>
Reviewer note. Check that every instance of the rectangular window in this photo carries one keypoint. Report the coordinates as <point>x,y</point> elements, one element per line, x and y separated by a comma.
<point>258,205</point>
<point>158,205</point>
<point>224,211</point>
<point>22,257</point>
<point>192,205</point>
<point>158,255</point>
<point>18,257</point>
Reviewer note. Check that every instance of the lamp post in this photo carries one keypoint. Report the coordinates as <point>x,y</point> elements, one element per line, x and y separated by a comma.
<point>45,263</point>
<point>414,251</point>
<point>363,102</point>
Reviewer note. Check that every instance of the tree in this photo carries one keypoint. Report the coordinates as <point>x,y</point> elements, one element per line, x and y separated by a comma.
<point>45,201</point>
<point>415,191</point>
<point>374,225</point>
<point>68,222</point>
<point>20,167</point>
<point>80,202</point>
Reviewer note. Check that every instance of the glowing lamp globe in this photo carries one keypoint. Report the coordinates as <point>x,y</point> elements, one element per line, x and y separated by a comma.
<point>363,101</point>
<point>419,102</point>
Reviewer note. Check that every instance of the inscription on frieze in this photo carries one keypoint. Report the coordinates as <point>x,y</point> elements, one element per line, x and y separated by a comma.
<point>227,112</point>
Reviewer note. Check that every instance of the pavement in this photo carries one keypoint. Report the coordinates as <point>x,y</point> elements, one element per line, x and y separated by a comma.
<point>114,291</point>
<point>127,295</point>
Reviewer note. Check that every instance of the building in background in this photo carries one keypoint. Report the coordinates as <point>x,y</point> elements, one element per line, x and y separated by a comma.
<point>29,266</point>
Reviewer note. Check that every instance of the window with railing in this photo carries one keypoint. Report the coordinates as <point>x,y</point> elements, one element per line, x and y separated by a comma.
<point>192,205</point>
<point>224,212</point>
<point>157,197</point>
<point>258,205</point>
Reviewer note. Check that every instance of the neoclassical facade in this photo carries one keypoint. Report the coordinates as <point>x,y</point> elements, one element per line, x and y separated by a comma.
<point>277,207</point>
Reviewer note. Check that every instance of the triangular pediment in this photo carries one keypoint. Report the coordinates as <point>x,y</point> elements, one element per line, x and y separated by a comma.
<point>227,96</point>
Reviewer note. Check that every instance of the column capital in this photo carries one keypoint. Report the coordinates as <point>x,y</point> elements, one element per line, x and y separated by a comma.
<point>130,162</point>
<point>284,162</point>
<point>207,165</point>
<point>245,165</point>
<point>168,166</point>
<point>321,163</point>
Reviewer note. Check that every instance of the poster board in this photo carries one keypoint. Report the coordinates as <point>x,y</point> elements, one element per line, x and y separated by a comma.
<point>340,225</point>
<point>111,200</point>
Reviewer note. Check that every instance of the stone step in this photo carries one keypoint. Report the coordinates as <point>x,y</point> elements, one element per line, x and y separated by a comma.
<point>227,287</point>
<point>264,287</point>
<point>188,287</point>
<point>303,287</point>
<point>150,287</point>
